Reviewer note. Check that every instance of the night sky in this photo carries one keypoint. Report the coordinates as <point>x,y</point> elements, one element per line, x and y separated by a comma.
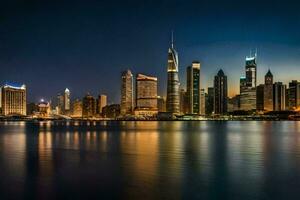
<point>84,45</point>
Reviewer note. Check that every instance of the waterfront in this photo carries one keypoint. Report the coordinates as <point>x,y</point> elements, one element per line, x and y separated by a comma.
<point>150,160</point>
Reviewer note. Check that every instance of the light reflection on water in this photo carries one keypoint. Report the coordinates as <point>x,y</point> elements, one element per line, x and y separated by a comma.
<point>150,160</point>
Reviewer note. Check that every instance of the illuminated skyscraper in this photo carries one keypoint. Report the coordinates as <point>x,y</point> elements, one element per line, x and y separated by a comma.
<point>220,94</point>
<point>146,92</point>
<point>59,104</point>
<point>294,95</point>
<point>268,92</point>
<point>13,99</point>
<point>77,108</point>
<point>67,100</point>
<point>251,71</point>
<point>127,93</point>
<point>101,103</point>
<point>183,102</point>
<point>279,96</point>
<point>88,106</point>
<point>193,88</point>
<point>173,81</point>
<point>202,102</point>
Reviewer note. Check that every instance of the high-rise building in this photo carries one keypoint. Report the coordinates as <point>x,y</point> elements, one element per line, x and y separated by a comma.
<point>202,102</point>
<point>127,93</point>
<point>101,103</point>
<point>173,81</point>
<point>210,101</point>
<point>88,106</point>
<point>233,103</point>
<point>251,71</point>
<point>268,92</point>
<point>183,102</point>
<point>294,95</point>
<point>67,102</point>
<point>77,108</point>
<point>279,94</point>
<point>146,95</point>
<point>161,104</point>
<point>111,111</point>
<point>220,94</point>
<point>59,104</point>
<point>13,99</point>
<point>260,89</point>
<point>193,87</point>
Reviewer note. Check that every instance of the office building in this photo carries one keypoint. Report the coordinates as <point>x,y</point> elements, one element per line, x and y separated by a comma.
<point>146,95</point>
<point>183,102</point>
<point>13,99</point>
<point>88,106</point>
<point>193,88</point>
<point>268,92</point>
<point>294,95</point>
<point>279,94</point>
<point>67,103</point>
<point>220,93</point>
<point>127,93</point>
<point>161,104</point>
<point>209,103</point>
<point>77,108</point>
<point>202,102</point>
<point>101,103</point>
<point>173,104</point>
<point>260,89</point>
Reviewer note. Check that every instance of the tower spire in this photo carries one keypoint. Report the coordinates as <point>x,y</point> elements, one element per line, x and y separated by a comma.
<point>172,39</point>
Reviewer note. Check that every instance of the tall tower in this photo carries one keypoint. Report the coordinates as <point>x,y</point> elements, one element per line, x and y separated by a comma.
<point>220,96</point>
<point>251,71</point>
<point>67,100</point>
<point>173,81</point>
<point>193,88</point>
<point>127,93</point>
<point>268,92</point>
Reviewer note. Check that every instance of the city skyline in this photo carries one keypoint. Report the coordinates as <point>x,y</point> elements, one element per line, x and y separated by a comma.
<point>39,41</point>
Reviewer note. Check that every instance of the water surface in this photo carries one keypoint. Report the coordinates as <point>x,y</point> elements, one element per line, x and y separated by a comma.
<point>150,160</point>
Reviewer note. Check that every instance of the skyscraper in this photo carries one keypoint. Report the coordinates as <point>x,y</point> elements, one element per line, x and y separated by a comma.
<point>268,92</point>
<point>294,95</point>
<point>209,104</point>
<point>146,95</point>
<point>279,94</point>
<point>67,101</point>
<point>260,89</point>
<point>183,102</point>
<point>13,99</point>
<point>127,93</point>
<point>88,106</point>
<point>220,93</point>
<point>193,88</point>
<point>173,81</point>
<point>202,102</point>
<point>59,104</point>
<point>77,108</point>
<point>101,103</point>
<point>161,104</point>
<point>251,71</point>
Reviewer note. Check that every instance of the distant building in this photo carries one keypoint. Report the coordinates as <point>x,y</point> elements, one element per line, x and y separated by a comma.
<point>13,99</point>
<point>161,104</point>
<point>251,71</point>
<point>146,95</point>
<point>127,93</point>
<point>111,111</point>
<point>247,95</point>
<point>279,91</point>
<point>67,103</point>
<point>260,89</point>
<point>77,108</point>
<point>268,92</point>
<point>173,81</point>
<point>60,104</point>
<point>88,106</point>
<point>202,102</point>
<point>294,95</point>
<point>233,103</point>
<point>193,88</point>
<point>183,102</point>
<point>31,108</point>
<point>209,103</point>
<point>101,103</point>
<point>220,93</point>
<point>43,109</point>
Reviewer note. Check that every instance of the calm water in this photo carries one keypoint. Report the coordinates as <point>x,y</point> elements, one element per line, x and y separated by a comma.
<point>150,160</point>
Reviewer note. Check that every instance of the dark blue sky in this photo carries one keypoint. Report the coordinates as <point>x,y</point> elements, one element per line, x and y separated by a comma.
<point>84,45</point>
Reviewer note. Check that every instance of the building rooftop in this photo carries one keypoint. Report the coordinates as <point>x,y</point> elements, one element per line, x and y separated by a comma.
<point>14,85</point>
